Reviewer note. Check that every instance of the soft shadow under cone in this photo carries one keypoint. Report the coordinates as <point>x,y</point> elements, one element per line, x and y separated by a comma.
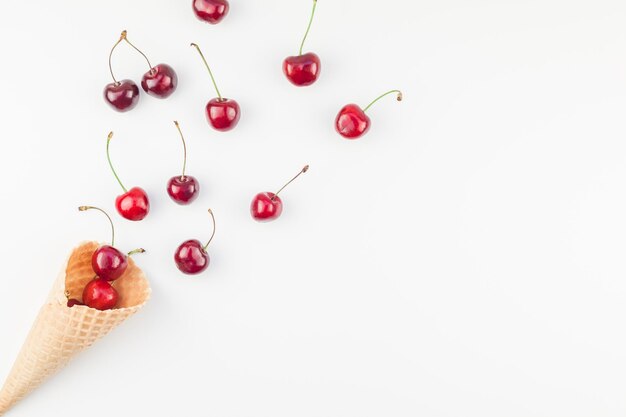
<point>61,332</point>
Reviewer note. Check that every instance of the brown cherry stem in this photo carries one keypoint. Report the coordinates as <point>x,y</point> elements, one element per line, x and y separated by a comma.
<point>85,208</point>
<point>212,234</point>
<point>398,97</point>
<point>136,251</point>
<point>123,36</point>
<point>208,68</point>
<point>184,149</point>
<point>302,171</point>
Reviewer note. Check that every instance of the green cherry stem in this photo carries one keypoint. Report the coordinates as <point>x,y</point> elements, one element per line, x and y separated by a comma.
<point>111,165</point>
<point>302,171</point>
<point>136,251</point>
<point>399,98</point>
<point>309,26</point>
<point>123,37</point>
<point>85,208</point>
<point>213,234</point>
<point>208,68</point>
<point>184,149</point>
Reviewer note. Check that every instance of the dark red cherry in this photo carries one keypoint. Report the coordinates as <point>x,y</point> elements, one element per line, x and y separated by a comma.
<point>122,95</point>
<point>302,70</point>
<point>191,256</point>
<point>183,190</point>
<point>160,81</point>
<point>211,11</point>
<point>109,263</point>
<point>223,113</point>
<point>71,302</point>
<point>266,207</point>
<point>352,122</point>
<point>133,205</point>
<point>99,294</point>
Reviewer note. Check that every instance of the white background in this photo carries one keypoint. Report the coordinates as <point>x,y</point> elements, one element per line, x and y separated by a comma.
<point>465,258</point>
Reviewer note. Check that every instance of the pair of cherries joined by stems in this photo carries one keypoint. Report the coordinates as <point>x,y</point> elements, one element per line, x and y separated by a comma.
<point>109,264</point>
<point>160,81</point>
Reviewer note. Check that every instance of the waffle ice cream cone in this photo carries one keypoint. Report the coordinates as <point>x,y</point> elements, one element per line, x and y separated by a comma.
<point>60,332</point>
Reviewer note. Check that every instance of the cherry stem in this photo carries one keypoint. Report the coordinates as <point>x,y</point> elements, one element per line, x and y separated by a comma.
<point>302,171</point>
<point>213,234</point>
<point>208,68</point>
<point>136,251</point>
<point>111,165</point>
<point>309,26</point>
<point>123,36</point>
<point>399,98</point>
<point>184,149</point>
<point>85,208</point>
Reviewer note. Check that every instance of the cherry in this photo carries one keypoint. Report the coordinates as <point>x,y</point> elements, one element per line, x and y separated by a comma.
<point>268,206</point>
<point>71,302</point>
<point>352,122</point>
<point>211,11</point>
<point>133,204</point>
<point>107,261</point>
<point>183,189</point>
<point>303,69</point>
<point>191,256</point>
<point>222,113</point>
<point>121,95</point>
<point>99,294</point>
<point>160,81</point>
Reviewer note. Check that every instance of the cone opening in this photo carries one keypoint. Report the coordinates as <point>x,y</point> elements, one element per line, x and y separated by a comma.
<point>133,287</point>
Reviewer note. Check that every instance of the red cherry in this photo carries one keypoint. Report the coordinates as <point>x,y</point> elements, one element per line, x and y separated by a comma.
<point>268,206</point>
<point>352,122</point>
<point>303,69</point>
<point>134,203</point>
<point>108,262</point>
<point>122,95</point>
<point>99,294</point>
<point>222,113</point>
<point>183,189</point>
<point>160,81</point>
<point>191,257</point>
<point>211,11</point>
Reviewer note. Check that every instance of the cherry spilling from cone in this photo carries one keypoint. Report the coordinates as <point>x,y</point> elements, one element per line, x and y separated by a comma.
<point>108,264</point>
